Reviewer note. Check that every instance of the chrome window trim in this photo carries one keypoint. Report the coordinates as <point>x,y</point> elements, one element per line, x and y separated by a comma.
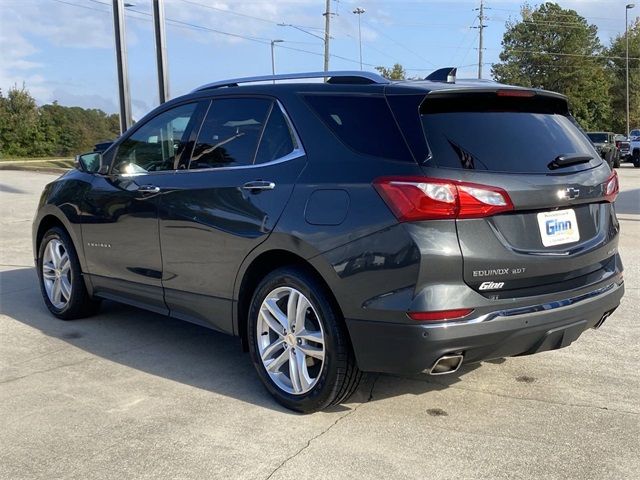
<point>510,312</point>
<point>297,152</point>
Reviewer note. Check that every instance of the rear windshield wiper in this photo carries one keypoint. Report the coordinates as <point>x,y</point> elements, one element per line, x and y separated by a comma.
<point>567,159</point>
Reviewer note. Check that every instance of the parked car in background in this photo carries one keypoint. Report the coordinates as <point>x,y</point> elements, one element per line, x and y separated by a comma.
<point>623,146</point>
<point>606,146</point>
<point>634,145</point>
<point>337,232</point>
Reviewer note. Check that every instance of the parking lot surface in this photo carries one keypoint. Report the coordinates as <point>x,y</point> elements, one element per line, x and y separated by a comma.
<point>131,394</point>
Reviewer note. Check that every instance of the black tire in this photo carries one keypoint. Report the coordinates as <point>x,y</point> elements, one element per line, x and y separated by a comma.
<point>80,304</point>
<point>339,376</point>
<point>636,158</point>
<point>616,160</point>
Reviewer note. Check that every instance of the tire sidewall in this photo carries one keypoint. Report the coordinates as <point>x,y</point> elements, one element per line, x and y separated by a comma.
<point>324,391</point>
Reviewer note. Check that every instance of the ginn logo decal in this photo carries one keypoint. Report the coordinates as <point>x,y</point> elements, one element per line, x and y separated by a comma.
<point>555,226</point>
<point>491,285</point>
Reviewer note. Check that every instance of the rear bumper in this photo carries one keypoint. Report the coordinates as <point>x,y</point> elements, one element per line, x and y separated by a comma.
<point>411,348</point>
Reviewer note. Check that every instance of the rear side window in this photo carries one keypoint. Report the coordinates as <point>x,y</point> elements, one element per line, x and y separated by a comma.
<point>277,140</point>
<point>363,123</point>
<point>510,134</point>
<point>230,133</point>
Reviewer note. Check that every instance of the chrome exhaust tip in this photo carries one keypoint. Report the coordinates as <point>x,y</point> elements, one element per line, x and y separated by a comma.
<point>446,364</point>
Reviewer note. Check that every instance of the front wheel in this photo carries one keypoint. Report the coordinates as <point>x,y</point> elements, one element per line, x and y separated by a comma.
<point>636,158</point>
<point>60,276</point>
<point>299,344</point>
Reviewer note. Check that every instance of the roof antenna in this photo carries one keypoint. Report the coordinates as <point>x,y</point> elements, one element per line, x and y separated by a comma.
<point>445,75</point>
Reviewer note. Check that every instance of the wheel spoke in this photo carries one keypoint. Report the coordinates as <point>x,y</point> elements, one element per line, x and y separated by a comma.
<point>56,291</point>
<point>301,367</point>
<point>310,351</point>
<point>271,322</point>
<point>292,304</point>
<point>48,271</point>
<point>294,372</point>
<point>55,253</point>
<point>65,288</point>
<point>301,313</point>
<point>65,265</point>
<point>274,365</point>
<point>311,336</point>
<point>271,349</point>
<point>278,315</point>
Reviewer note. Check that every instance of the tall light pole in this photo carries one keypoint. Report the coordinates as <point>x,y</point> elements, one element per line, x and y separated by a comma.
<point>327,35</point>
<point>124,94</point>
<point>161,50</point>
<point>359,11</point>
<point>273,56</point>
<point>626,35</point>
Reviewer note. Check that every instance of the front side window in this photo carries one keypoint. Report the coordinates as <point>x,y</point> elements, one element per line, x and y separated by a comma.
<point>230,133</point>
<point>157,145</point>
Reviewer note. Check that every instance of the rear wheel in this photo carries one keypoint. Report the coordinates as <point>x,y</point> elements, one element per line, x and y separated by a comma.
<point>616,160</point>
<point>298,342</point>
<point>60,275</point>
<point>636,158</point>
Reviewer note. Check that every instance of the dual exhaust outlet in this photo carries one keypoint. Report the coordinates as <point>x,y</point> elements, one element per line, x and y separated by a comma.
<point>446,364</point>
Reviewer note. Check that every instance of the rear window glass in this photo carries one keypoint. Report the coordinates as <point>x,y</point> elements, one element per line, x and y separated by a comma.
<point>485,132</point>
<point>363,123</point>
<point>597,137</point>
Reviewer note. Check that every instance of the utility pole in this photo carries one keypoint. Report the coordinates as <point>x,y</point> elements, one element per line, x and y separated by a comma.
<point>121,63</point>
<point>359,11</point>
<point>273,57</point>
<point>327,25</point>
<point>481,26</point>
<point>626,35</point>
<point>161,50</point>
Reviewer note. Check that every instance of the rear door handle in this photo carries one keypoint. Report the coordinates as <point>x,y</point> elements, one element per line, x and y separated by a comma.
<point>259,185</point>
<point>148,189</point>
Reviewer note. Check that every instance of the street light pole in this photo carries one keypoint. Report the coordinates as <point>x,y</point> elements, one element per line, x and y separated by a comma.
<point>359,11</point>
<point>124,94</point>
<point>626,35</point>
<point>273,56</point>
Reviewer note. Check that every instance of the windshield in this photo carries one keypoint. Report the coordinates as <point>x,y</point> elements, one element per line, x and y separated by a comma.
<point>503,140</point>
<point>597,137</point>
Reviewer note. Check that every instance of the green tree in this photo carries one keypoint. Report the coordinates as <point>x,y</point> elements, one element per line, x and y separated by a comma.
<point>557,49</point>
<point>396,72</point>
<point>18,122</point>
<point>27,130</point>
<point>616,67</point>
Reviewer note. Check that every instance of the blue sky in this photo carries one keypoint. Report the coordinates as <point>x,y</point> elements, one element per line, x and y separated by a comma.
<point>63,49</point>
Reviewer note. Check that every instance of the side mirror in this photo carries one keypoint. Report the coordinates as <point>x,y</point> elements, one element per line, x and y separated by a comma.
<point>89,162</point>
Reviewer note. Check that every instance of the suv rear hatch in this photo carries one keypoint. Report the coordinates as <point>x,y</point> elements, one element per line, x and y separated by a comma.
<point>555,228</point>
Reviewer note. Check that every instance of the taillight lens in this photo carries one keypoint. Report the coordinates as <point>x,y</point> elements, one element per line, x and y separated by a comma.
<point>424,198</point>
<point>440,315</point>
<point>611,187</point>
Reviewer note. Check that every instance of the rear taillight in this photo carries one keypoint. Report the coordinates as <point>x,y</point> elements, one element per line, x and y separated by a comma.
<point>610,187</point>
<point>618,142</point>
<point>440,315</point>
<point>423,198</point>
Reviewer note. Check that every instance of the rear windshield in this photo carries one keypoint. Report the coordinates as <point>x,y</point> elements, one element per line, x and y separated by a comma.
<point>486,132</point>
<point>363,123</point>
<point>597,137</point>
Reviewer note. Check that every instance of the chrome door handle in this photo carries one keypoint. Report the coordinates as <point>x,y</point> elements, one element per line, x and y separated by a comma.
<point>148,189</point>
<point>259,185</point>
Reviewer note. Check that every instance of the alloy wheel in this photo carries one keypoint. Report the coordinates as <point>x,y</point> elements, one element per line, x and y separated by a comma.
<point>56,273</point>
<point>290,340</point>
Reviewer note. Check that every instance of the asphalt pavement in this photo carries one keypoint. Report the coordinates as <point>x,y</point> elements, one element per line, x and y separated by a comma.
<point>129,394</point>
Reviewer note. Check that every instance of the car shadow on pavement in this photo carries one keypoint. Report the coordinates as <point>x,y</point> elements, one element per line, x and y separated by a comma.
<point>173,349</point>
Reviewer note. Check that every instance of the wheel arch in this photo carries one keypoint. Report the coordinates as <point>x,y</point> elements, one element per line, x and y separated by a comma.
<point>48,217</point>
<point>255,270</point>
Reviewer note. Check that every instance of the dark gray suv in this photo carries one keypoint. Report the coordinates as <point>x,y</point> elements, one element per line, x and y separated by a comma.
<point>347,226</point>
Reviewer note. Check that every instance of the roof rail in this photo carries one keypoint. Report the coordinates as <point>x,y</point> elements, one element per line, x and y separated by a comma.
<point>446,75</point>
<point>346,76</point>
